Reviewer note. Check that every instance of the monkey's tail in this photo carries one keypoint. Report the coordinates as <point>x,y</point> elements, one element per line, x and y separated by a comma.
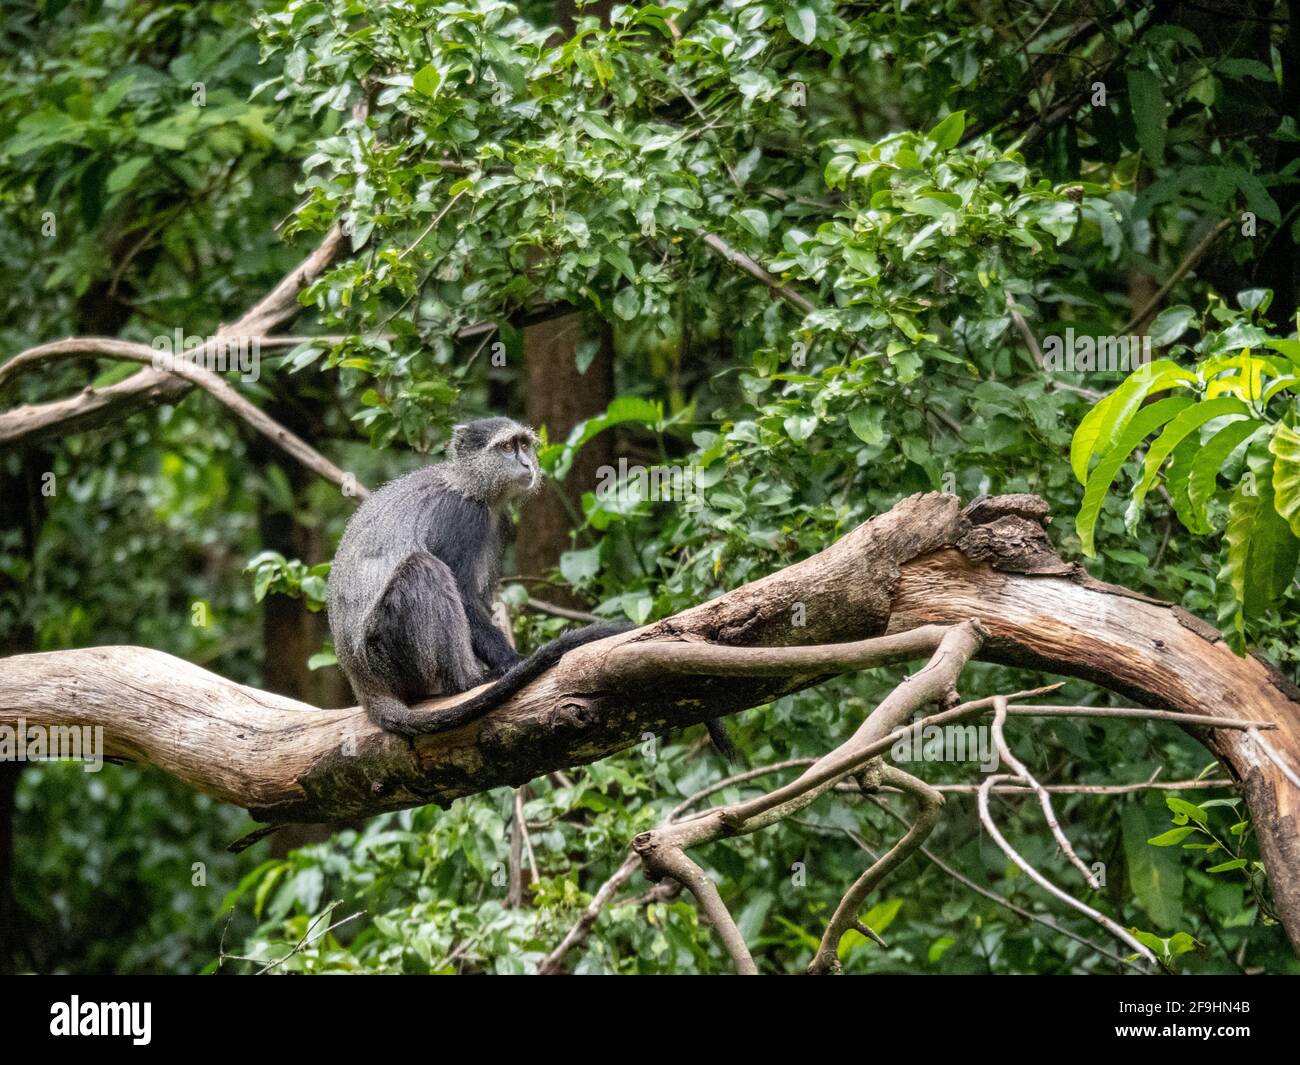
<point>722,741</point>
<point>516,678</point>
<point>524,673</point>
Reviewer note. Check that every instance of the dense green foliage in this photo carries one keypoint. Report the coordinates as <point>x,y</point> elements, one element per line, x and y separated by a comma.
<point>907,169</point>
<point>1232,415</point>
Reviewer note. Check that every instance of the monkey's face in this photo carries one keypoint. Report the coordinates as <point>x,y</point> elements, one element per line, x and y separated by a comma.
<point>518,458</point>
<point>496,458</point>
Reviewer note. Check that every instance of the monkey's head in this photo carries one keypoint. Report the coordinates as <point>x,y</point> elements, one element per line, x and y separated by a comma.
<point>496,459</point>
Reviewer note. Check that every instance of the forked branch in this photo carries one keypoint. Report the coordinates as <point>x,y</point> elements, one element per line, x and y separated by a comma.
<point>927,562</point>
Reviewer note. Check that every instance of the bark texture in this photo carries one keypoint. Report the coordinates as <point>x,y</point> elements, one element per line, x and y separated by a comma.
<point>926,561</point>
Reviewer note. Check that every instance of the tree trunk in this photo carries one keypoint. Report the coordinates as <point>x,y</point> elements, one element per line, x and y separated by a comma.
<point>291,633</point>
<point>559,397</point>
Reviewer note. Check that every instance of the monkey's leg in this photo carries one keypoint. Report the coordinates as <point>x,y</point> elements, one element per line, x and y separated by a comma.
<point>417,644</point>
<point>489,643</point>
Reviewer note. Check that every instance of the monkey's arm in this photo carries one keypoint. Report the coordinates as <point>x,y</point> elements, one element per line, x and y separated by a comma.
<point>490,644</point>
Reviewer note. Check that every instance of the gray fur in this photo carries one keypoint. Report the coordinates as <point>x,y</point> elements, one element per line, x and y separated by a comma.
<point>411,587</point>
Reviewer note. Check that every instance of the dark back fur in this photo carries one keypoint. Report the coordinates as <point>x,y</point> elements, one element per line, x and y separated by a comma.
<point>425,511</point>
<point>411,588</point>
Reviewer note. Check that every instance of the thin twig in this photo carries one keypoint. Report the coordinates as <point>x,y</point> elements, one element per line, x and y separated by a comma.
<point>431,226</point>
<point>541,606</point>
<point>1191,259</point>
<point>1031,342</point>
<point>1273,755</point>
<point>186,367</point>
<point>929,804</point>
<point>1137,712</point>
<point>993,896</point>
<point>92,406</point>
<point>987,820</point>
<point>1044,799</point>
<point>1090,789</point>
<point>305,942</point>
<point>663,850</point>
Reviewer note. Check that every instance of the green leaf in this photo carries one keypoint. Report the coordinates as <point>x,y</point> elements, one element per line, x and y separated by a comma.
<point>1255,299</point>
<point>865,421</point>
<point>578,567</point>
<point>115,372</point>
<point>1285,448</point>
<point>801,22</point>
<point>1257,196</point>
<point>586,353</point>
<point>1174,835</point>
<point>621,261</point>
<point>1146,421</point>
<point>1203,480</point>
<point>1177,475</point>
<point>810,941</point>
<point>1103,424</point>
<point>321,659</point>
<point>627,303</point>
<point>939,948</point>
<point>1085,437</point>
<point>599,128</point>
<point>1132,393</point>
<point>1184,811</point>
<point>1179,429</point>
<point>882,915</point>
<point>1261,556</point>
<point>637,606</point>
<point>1289,348</point>
<point>1244,68</point>
<point>1154,872</point>
<point>1170,324</point>
<point>426,80</point>
<point>124,173</point>
<point>39,129</point>
<point>838,170</point>
<point>1167,949</point>
<point>799,427</point>
<point>1146,97</point>
<point>947,133</point>
<point>755,221</point>
<point>265,887</point>
<point>557,459</point>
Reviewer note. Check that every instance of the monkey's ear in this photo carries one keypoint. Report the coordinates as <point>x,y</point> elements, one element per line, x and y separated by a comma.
<point>459,434</point>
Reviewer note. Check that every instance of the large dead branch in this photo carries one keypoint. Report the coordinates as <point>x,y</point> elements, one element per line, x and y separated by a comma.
<point>924,563</point>
<point>93,407</point>
<point>663,850</point>
<point>189,368</point>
